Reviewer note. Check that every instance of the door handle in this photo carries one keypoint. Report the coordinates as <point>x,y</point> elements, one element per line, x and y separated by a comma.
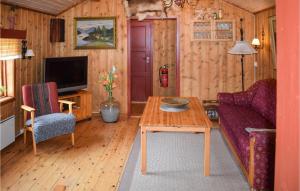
<point>147,59</point>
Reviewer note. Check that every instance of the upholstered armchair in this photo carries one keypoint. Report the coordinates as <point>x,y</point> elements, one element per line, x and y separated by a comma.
<point>43,115</point>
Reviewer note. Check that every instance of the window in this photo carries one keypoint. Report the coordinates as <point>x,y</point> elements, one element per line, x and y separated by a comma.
<point>9,50</point>
<point>7,78</point>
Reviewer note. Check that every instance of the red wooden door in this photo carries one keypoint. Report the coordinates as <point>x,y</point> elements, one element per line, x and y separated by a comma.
<point>141,60</point>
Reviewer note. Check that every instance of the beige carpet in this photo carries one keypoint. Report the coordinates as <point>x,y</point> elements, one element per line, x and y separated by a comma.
<point>175,163</point>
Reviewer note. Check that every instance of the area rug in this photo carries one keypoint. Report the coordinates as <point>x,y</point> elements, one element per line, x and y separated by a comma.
<point>175,163</point>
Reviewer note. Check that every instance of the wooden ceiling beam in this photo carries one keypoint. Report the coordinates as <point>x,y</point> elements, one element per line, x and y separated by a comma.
<point>272,7</point>
<point>26,8</point>
<point>82,1</point>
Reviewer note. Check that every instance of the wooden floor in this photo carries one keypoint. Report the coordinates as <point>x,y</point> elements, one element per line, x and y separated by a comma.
<point>95,163</point>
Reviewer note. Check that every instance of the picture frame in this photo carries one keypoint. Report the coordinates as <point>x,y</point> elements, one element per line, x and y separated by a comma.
<point>95,32</point>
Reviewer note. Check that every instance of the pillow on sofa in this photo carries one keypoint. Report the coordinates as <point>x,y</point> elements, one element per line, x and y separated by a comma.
<point>264,101</point>
<point>225,98</point>
<point>241,98</point>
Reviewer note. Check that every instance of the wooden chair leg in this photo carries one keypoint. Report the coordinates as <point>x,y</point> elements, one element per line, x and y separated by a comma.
<point>34,144</point>
<point>25,135</point>
<point>73,138</point>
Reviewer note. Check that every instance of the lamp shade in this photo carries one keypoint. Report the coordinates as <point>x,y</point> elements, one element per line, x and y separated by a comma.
<point>242,48</point>
<point>29,53</point>
<point>255,42</point>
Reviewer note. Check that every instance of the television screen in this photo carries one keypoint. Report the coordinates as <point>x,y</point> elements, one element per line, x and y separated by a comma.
<point>69,73</point>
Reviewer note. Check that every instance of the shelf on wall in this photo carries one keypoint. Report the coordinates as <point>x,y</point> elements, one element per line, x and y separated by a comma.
<point>12,33</point>
<point>213,30</point>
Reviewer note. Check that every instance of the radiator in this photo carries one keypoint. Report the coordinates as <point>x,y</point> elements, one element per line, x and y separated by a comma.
<point>7,131</point>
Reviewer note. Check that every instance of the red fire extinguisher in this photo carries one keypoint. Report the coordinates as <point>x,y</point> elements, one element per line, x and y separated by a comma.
<point>163,76</point>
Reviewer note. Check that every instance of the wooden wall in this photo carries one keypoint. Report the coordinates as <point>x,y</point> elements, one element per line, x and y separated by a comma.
<point>164,52</point>
<point>205,67</point>
<point>28,71</point>
<point>265,62</point>
<point>99,59</point>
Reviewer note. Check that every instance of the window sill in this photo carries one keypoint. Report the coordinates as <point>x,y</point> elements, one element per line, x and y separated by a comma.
<point>8,99</point>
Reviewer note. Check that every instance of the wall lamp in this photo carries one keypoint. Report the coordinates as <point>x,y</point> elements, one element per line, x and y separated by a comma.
<point>256,43</point>
<point>26,53</point>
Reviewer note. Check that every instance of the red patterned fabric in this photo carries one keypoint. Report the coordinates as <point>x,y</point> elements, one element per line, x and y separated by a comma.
<point>264,159</point>
<point>254,108</point>
<point>225,98</point>
<point>264,101</point>
<point>241,98</point>
<point>42,97</point>
<point>234,120</point>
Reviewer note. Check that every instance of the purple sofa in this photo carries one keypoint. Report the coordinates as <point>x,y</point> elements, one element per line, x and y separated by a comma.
<point>248,122</point>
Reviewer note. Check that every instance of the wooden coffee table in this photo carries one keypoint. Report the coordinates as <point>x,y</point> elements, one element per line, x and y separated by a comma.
<point>192,120</point>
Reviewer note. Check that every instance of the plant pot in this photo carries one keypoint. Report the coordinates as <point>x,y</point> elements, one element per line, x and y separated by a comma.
<point>110,110</point>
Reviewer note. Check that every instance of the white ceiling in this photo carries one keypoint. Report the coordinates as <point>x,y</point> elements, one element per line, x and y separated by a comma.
<point>53,7</point>
<point>252,5</point>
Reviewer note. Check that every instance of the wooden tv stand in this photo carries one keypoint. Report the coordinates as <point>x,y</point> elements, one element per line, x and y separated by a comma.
<point>83,107</point>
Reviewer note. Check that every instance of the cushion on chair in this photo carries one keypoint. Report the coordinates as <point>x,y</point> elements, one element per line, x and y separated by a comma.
<point>52,125</point>
<point>42,97</point>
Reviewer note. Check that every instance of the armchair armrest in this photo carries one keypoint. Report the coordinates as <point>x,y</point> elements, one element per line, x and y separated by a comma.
<point>27,108</point>
<point>262,159</point>
<point>69,103</point>
<point>225,98</point>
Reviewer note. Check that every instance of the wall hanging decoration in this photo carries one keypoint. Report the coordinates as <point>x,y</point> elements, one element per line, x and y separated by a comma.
<point>95,33</point>
<point>145,8</point>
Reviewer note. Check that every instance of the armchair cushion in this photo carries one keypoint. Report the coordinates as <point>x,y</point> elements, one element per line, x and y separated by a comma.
<point>52,125</point>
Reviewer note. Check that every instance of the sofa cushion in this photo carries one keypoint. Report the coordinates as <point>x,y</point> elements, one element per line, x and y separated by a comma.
<point>264,100</point>
<point>52,125</point>
<point>242,98</point>
<point>234,120</point>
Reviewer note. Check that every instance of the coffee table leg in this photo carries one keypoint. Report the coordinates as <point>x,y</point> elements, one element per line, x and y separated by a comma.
<point>207,152</point>
<point>143,150</point>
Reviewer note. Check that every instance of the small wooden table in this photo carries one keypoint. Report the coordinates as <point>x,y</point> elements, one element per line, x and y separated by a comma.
<point>192,120</point>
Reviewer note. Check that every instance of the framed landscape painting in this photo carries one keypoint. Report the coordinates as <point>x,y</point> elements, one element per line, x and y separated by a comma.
<point>93,33</point>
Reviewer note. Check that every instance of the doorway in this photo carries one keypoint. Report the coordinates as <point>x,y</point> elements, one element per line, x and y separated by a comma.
<point>152,45</point>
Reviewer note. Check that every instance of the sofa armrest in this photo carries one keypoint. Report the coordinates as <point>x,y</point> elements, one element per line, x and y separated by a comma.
<point>225,98</point>
<point>262,159</point>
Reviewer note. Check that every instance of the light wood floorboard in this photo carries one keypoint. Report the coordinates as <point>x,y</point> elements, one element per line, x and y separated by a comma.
<point>96,162</point>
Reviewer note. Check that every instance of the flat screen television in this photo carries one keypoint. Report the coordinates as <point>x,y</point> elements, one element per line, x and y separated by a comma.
<point>69,73</point>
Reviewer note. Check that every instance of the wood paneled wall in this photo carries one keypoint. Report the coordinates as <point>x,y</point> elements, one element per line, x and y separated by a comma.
<point>164,52</point>
<point>205,67</point>
<point>265,61</point>
<point>99,59</point>
<point>28,71</point>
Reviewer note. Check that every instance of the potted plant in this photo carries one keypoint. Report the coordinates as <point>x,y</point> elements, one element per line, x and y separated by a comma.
<point>2,90</point>
<point>110,108</point>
